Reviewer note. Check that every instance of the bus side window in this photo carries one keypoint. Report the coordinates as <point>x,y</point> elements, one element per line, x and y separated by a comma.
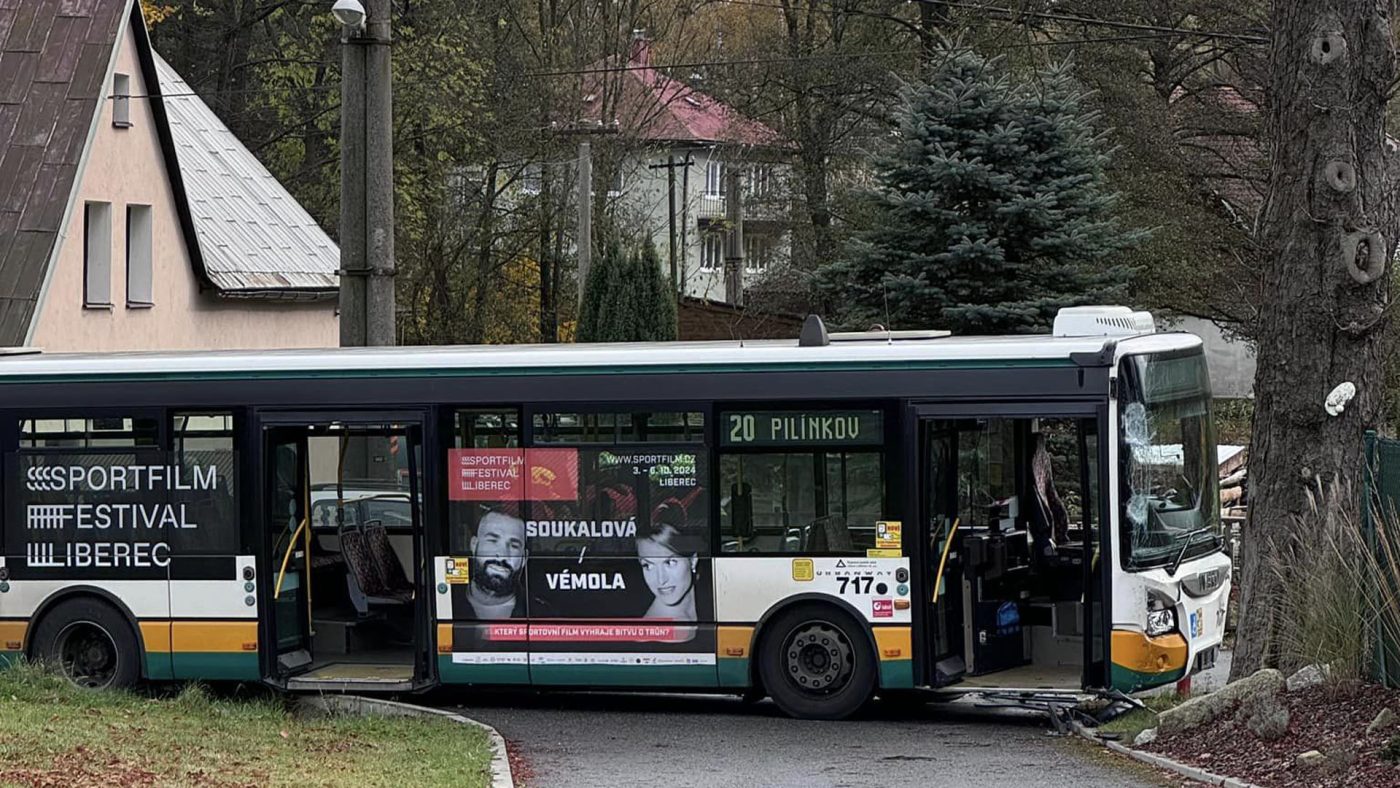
<point>822,502</point>
<point>202,443</point>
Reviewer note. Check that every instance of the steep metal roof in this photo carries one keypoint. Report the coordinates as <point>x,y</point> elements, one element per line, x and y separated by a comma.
<point>54,58</point>
<point>254,237</point>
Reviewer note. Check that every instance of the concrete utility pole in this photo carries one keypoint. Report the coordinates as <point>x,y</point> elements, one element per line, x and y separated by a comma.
<point>677,270</point>
<point>585,214</point>
<point>367,180</point>
<point>734,242</point>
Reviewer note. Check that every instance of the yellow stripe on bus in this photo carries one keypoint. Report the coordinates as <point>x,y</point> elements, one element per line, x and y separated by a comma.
<point>156,636</point>
<point>1138,652</point>
<point>12,635</point>
<point>894,642</point>
<point>734,642</point>
<point>214,636</point>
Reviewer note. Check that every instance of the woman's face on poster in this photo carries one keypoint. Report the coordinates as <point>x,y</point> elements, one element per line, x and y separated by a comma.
<point>669,575</point>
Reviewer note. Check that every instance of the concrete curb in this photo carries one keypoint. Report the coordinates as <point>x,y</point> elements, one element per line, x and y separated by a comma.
<point>1163,762</point>
<point>358,704</point>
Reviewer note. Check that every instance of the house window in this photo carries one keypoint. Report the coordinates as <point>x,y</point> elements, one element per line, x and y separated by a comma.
<point>758,253</point>
<point>760,181</point>
<point>121,101</point>
<point>714,179</point>
<point>532,179</point>
<point>138,256</point>
<point>711,251</point>
<point>97,254</point>
<point>618,182</point>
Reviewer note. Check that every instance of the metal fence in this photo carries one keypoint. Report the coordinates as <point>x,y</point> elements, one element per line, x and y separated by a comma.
<point>1381,502</point>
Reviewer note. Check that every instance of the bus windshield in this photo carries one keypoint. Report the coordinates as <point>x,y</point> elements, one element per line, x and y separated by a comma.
<point>1170,499</point>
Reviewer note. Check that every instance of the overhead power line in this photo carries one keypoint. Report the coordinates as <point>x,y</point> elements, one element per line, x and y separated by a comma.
<point>1014,13</point>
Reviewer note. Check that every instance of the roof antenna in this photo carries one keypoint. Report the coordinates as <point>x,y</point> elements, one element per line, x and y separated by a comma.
<point>813,333</point>
<point>885,291</point>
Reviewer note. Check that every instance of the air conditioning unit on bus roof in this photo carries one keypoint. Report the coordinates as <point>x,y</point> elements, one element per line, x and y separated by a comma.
<point>1102,321</point>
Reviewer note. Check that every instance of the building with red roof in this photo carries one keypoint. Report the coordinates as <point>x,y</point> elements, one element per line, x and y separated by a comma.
<point>662,124</point>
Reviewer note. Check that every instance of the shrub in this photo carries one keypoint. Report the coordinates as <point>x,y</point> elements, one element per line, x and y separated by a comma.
<point>1390,751</point>
<point>1268,719</point>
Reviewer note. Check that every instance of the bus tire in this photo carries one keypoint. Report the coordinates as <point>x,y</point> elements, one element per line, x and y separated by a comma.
<point>90,643</point>
<point>816,663</point>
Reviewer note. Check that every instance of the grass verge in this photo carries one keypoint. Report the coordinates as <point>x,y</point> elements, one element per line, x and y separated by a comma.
<point>54,734</point>
<point>1129,725</point>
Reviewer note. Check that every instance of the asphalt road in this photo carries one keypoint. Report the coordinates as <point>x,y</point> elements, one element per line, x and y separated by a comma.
<point>591,739</point>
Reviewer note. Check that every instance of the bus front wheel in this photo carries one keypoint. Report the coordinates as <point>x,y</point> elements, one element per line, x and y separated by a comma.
<point>90,643</point>
<point>816,663</point>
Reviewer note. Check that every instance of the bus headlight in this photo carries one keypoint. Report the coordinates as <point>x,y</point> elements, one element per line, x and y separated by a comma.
<point>1161,616</point>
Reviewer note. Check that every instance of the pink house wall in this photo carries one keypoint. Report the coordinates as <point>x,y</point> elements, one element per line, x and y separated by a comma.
<point>126,166</point>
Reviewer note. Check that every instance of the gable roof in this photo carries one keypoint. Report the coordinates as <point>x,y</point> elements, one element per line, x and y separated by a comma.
<point>655,107</point>
<point>254,238</point>
<point>245,234</point>
<point>54,59</point>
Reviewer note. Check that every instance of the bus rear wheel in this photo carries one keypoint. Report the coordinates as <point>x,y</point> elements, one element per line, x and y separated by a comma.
<point>90,643</point>
<point>816,664</point>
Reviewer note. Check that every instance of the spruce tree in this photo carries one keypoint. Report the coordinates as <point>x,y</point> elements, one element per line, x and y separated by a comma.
<point>626,298</point>
<point>990,211</point>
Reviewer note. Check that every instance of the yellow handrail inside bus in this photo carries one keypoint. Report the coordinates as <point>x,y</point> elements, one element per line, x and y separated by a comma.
<point>287,557</point>
<point>306,528</point>
<point>943,562</point>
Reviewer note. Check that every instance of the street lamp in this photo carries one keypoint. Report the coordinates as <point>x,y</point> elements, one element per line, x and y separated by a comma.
<point>366,175</point>
<point>350,14</point>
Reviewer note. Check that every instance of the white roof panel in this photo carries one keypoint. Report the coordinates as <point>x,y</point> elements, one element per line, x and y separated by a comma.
<point>524,358</point>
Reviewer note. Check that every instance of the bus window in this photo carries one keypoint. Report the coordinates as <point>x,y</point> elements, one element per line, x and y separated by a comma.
<point>801,502</point>
<point>203,446</point>
<point>87,433</point>
<point>1170,507</point>
<point>627,427</point>
<point>484,432</point>
<point>494,428</point>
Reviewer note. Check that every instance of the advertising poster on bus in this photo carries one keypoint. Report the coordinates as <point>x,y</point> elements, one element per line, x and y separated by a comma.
<point>120,514</point>
<point>603,549</point>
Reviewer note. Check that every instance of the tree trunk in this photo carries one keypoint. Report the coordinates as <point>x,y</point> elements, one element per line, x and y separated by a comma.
<point>548,331</point>
<point>1322,318</point>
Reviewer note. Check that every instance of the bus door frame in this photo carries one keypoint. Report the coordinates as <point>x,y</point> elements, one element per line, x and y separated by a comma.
<point>428,533</point>
<point>1098,575</point>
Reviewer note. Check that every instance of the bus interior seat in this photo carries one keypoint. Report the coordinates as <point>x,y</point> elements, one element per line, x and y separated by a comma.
<point>1058,561</point>
<point>386,558</point>
<point>365,579</point>
<point>827,534</point>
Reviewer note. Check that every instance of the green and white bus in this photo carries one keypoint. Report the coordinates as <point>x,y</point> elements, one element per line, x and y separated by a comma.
<point>817,520</point>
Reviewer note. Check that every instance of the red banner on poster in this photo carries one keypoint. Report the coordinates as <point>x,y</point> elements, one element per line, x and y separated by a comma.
<point>513,474</point>
<point>639,632</point>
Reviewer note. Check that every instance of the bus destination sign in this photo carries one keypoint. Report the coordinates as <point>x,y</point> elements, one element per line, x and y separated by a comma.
<point>802,428</point>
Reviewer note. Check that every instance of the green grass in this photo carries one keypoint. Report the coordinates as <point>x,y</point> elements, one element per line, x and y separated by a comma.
<point>1128,726</point>
<point>54,734</point>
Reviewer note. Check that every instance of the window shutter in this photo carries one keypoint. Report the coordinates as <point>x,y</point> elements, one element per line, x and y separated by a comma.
<point>139,283</point>
<point>97,254</point>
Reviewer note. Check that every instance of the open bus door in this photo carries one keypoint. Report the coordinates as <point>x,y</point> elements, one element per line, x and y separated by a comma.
<point>1015,570</point>
<point>288,507</point>
<point>345,550</point>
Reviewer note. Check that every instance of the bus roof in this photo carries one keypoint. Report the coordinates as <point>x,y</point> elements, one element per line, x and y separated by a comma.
<point>871,352</point>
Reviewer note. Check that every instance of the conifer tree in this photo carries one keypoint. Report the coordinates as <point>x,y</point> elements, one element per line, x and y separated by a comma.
<point>991,210</point>
<point>626,298</point>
